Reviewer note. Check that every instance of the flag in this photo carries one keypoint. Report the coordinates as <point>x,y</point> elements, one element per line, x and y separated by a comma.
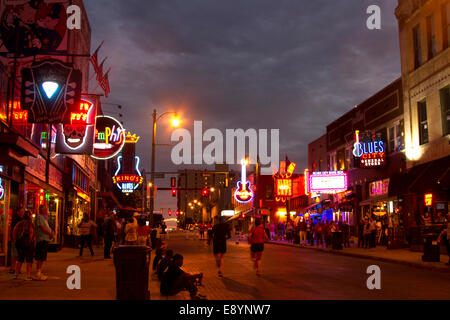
<point>94,58</point>
<point>104,83</point>
<point>100,70</point>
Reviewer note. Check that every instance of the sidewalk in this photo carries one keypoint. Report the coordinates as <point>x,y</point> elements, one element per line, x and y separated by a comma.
<point>380,253</point>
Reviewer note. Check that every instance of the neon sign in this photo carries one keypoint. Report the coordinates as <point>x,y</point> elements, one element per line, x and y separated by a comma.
<point>109,138</point>
<point>131,138</point>
<point>283,187</point>
<point>243,193</point>
<point>429,199</point>
<point>371,153</point>
<point>2,190</point>
<point>283,181</point>
<point>128,182</point>
<point>327,182</point>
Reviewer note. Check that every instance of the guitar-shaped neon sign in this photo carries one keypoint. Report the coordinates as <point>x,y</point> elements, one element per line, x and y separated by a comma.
<point>243,193</point>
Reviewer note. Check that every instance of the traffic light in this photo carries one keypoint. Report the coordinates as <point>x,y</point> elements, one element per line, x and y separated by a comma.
<point>205,192</point>
<point>173,182</point>
<point>170,212</point>
<point>174,192</point>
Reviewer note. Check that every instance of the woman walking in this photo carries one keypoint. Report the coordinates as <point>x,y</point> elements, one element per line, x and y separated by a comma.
<point>85,233</point>
<point>257,236</point>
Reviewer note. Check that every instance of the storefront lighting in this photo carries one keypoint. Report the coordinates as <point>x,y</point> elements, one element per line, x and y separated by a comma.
<point>429,199</point>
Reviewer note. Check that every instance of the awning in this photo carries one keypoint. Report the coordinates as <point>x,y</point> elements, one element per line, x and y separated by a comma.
<point>303,210</point>
<point>108,195</point>
<point>430,176</point>
<point>377,199</point>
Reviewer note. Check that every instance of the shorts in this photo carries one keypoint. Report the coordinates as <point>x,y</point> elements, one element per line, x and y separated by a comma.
<point>41,251</point>
<point>219,248</point>
<point>257,247</point>
<point>25,253</point>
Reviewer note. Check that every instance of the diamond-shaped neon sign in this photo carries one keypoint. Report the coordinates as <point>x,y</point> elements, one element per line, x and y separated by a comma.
<point>50,87</point>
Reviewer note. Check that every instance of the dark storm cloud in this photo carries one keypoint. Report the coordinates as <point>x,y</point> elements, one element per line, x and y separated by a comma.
<point>292,65</point>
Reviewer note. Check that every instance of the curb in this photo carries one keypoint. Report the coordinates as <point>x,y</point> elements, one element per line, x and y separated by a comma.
<point>364,256</point>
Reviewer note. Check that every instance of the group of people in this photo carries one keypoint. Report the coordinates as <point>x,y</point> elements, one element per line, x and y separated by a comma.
<point>29,242</point>
<point>308,232</point>
<point>119,231</point>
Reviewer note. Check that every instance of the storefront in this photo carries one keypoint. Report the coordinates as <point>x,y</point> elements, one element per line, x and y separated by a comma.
<point>4,214</point>
<point>78,202</point>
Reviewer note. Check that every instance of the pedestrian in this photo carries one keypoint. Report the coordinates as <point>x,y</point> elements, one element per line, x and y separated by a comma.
<point>221,232</point>
<point>447,237</point>
<point>367,234</point>
<point>143,233</point>
<point>44,234</point>
<point>280,229</point>
<point>164,263</point>
<point>109,231</point>
<point>346,234</point>
<point>327,233</point>
<point>24,238</point>
<point>16,218</point>
<point>157,259</point>
<point>318,233</point>
<point>309,231</point>
<point>131,230</point>
<point>257,236</point>
<point>290,230</point>
<point>267,229</point>
<point>85,227</point>
<point>209,232</point>
<point>373,233</point>
<point>303,228</point>
<point>272,231</point>
<point>176,280</point>
<point>361,226</point>
<point>202,231</point>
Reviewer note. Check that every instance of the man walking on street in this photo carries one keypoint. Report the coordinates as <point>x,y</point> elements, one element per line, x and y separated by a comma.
<point>85,227</point>
<point>109,230</point>
<point>44,234</point>
<point>221,232</point>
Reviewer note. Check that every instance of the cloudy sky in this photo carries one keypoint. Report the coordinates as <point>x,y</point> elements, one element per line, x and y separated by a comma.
<point>264,64</point>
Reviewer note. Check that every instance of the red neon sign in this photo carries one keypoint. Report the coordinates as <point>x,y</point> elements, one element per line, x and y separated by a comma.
<point>429,199</point>
<point>132,178</point>
<point>283,187</point>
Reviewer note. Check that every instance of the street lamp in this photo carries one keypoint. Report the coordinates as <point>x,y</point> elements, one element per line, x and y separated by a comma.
<point>175,123</point>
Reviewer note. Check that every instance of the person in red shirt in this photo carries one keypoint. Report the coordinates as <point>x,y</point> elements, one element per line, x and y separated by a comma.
<point>257,236</point>
<point>202,231</point>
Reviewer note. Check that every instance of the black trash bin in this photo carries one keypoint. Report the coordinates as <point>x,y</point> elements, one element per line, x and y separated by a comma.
<point>132,270</point>
<point>337,239</point>
<point>431,248</point>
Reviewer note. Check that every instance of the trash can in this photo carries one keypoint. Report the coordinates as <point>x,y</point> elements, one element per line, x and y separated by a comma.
<point>337,239</point>
<point>431,248</point>
<point>132,270</point>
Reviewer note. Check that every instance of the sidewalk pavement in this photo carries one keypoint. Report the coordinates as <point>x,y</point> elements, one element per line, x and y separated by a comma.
<point>380,253</point>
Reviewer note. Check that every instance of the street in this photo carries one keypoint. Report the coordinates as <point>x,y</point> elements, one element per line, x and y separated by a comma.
<point>287,274</point>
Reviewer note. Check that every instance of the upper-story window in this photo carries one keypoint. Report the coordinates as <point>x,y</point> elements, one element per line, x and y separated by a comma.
<point>396,137</point>
<point>446,24</point>
<point>445,107</point>
<point>423,121</point>
<point>431,37</point>
<point>417,47</point>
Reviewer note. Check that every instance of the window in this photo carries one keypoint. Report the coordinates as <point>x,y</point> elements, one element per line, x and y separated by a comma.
<point>446,24</point>
<point>417,47</point>
<point>348,157</point>
<point>431,37</point>
<point>445,107</point>
<point>396,137</point>
<point>423,122</point>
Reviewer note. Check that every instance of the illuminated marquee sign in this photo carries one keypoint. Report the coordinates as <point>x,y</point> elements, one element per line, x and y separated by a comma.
<point>371,153</point>
<point>283,181</point>
<point>283,187</point>
<point>243,193</point>
<point>327,182</point>
<point>109,138</point>
<point>127,182</point>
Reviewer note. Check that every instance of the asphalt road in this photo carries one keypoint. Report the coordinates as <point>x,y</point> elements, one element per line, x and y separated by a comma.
<point>295,273</point>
